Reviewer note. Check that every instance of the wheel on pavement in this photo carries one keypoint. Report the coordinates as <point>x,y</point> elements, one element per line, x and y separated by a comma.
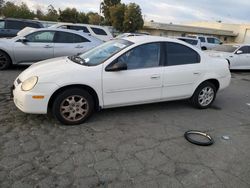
<point>73,106</point>
<point>204,95</point>
<point>5,61</point>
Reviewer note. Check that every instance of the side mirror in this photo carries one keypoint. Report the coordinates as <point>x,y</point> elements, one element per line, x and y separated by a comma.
<point>221,43</point>
<point>119,66</point>
<point>23,40</point>
<point>239,52</point>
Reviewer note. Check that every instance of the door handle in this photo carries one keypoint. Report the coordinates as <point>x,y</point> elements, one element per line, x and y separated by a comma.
<point>48,46</point>
<point>196,73</point>
<point>79,46</point>
<point>155,77</point>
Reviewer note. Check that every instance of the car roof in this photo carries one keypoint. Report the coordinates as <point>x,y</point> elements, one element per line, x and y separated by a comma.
<point>149,38</point>
<point>187,38</point>
<point>76,24</point>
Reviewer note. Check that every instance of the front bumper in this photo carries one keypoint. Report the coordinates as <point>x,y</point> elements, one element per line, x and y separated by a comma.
<point>24,99</point>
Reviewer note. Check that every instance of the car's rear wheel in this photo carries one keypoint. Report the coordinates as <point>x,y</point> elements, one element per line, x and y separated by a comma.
<point>5,61</point>
<point>204,95</point>
<point>73,106</point>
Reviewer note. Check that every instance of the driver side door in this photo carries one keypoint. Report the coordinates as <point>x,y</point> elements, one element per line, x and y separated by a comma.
<point>38,46</point>
<point>140,83</point>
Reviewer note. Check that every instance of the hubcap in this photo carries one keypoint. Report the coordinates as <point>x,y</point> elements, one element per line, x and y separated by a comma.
<point>206,96</point>
<point>3,61</point>
<point>74,108</point>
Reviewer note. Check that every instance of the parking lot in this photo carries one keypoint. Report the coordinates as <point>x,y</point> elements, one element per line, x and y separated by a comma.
<point>138,146</point>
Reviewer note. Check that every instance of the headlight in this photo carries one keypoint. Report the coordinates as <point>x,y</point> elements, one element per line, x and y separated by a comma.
<point>29,83</point>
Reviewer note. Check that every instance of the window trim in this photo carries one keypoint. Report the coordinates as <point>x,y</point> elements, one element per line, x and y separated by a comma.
<point>161,59</point>
<point>166,63</point>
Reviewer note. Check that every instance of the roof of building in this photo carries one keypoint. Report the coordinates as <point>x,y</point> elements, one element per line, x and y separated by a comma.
<point>189,29</point>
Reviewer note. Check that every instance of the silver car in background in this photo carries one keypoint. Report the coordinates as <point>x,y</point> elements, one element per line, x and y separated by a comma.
<point>35,45</point>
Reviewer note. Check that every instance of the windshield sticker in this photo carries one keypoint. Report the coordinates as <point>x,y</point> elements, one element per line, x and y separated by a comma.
<point>86,60</point>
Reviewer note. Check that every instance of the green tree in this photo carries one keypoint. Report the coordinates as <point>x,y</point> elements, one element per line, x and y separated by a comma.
<point>83,18</point>
<point>117,16</point>
<point>94,18</point>
<point>52,14</point>
<point>39,14</point>
<point>22,11</point>
<point>105,6</point>
<point>68,15</point>
<point>2,2</point>
<point>133,20</point>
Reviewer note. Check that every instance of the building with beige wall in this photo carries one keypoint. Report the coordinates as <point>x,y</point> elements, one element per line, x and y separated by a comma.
<point>242,30</point>
<point>173,30</point>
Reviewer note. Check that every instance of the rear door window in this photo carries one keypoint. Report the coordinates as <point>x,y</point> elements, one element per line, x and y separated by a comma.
<point>18,25</point>
<point>202,39</point>
<point>211,40</point>
<point>98,31</point>
<point>178,54</point>
<point>64,37</point>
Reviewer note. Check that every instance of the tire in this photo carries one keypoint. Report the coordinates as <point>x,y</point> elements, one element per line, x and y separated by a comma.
<point>73,106</point>
<point>204,95</point>
<point>5,61</point>
<point>203,48</point>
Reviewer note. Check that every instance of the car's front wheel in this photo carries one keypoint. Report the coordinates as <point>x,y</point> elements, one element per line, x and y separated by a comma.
<point>73,106</point>
<point>204,95</point>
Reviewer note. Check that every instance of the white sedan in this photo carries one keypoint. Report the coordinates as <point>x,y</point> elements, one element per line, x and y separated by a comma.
<point>129,71</point>
<point>238,56</point>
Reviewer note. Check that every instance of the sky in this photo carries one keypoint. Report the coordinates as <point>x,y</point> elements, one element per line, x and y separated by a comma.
<point>166,11</point>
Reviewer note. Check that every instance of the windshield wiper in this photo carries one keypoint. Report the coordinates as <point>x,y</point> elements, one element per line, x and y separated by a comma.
<point>77,59</point>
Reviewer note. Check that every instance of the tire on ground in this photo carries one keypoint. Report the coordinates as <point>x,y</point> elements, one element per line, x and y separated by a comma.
<point>5,61</point>
<point>60,100</point>
<point>195,98</point>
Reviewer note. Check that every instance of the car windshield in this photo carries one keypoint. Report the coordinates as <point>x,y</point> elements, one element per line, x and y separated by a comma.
<point>100,53</point>
<point>225,48</point>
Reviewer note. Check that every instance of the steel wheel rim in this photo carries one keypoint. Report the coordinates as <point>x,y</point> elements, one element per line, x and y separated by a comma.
<point>206,96</point>
<point>74,108</point>
<point>3,61</point>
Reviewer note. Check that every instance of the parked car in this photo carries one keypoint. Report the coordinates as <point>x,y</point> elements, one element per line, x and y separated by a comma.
<point>192,41</point>
<point>238,56</point>
<point>41,44</point>
<point>123,35</point>
<point>129,71</point>
<point>97,31</point>
<point>207,42</point>
<point>9,27</point>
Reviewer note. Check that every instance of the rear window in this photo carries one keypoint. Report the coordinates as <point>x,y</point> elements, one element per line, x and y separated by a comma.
<point>189,41</point>
<point>79,28</point>
<point>98,31</point>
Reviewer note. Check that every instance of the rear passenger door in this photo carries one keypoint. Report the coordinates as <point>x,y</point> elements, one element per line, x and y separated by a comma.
<point>67,43</point>
<point>182,70</point>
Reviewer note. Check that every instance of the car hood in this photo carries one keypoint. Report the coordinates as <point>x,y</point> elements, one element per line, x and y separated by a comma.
<point>50,68</point>
<point>218,53</point>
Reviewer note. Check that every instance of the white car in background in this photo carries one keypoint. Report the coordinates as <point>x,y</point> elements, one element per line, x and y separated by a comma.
<point>97,31</point>
<point>192,41</point>
<point>122,72</point>
<point>207,42</point>
<point>33,45</point>
<point>123,35</point>
<point>238,56</point>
